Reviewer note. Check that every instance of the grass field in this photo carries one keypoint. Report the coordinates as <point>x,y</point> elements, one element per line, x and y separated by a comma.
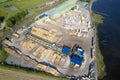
<point>98,19</point>
<point>3,53</point>
<point>85,0</point>
<point>11,73</point>
<point>2,13</point>
<point>14,6</point>
<point>1,1</point>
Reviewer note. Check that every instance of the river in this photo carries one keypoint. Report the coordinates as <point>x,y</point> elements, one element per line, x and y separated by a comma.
<point>109,36</point>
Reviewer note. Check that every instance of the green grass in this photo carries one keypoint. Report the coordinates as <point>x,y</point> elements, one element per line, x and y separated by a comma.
<point>100,61</point>
<point>26,71</point>
<point>98,19</point>
<point>25,4</point>
<point>85,0</point>
<point>2,13</point>
<point>8,11</point>
<point>1,1</point>
<point>3,53</point>
<point>20,5</point>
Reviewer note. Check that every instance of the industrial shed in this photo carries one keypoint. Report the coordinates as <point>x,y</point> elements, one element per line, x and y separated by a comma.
<point>76,59</point>
<point>66,50</point>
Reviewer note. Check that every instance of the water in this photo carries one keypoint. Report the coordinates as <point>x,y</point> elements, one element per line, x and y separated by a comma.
<point>109,35</point>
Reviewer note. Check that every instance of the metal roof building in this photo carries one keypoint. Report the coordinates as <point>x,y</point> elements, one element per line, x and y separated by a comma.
<point>80,51</point>
<point>76,59</point>
<point>66,50</point>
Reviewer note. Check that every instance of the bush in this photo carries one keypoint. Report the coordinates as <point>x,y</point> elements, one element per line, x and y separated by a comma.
<point>3,54</point>
<point>12,21</point>
<point>2,19</point>
<point>85,0</point>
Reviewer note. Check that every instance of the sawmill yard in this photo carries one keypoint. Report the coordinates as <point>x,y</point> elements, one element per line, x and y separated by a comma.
<point>59,41</point>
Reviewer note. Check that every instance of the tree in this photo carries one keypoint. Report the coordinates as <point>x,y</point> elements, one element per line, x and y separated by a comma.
<point>13,20</point>
<point>2,19</point>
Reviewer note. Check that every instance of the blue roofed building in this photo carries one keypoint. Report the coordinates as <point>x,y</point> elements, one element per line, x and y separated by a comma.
<point>76,60</point>
<point>80,51</point>
<point>66,50</point>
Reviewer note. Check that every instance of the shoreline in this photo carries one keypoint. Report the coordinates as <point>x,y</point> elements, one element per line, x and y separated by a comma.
<point>101,73</point>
